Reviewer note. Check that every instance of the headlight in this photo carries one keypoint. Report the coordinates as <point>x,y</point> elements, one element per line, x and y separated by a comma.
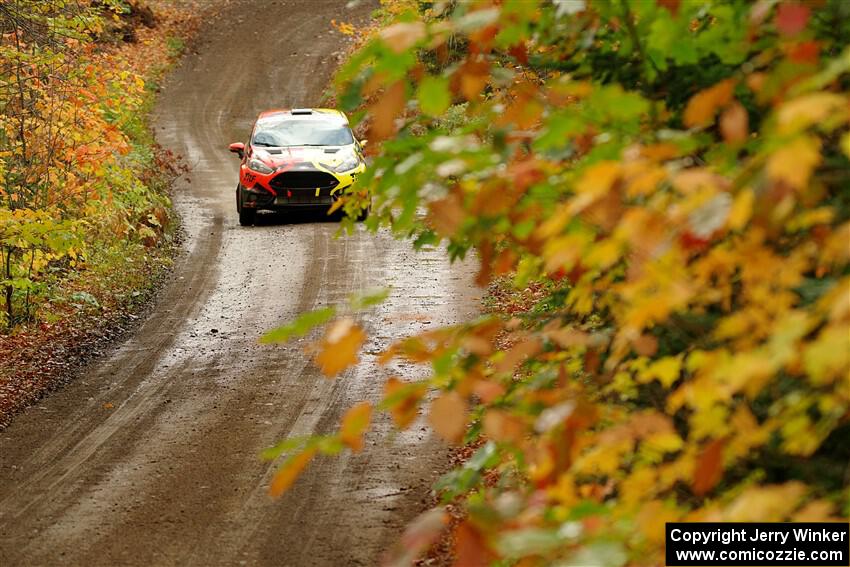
<point>259,166</point>
<point>347,164</point>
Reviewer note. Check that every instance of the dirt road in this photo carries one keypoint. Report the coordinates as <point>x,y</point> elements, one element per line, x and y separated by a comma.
<point>151,456</point>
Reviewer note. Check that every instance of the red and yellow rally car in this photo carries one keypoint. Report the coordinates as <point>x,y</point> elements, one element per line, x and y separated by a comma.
<point>294,159</point>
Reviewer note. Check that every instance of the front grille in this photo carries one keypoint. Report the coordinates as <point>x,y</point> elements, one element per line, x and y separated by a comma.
<point>304,180</point>
<point>304,197</point>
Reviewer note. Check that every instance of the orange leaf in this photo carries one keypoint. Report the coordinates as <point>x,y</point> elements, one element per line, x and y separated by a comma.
<point>734,124</point>
<point>488,391</point>
<point>473,76</point>
<point>485,261</point>
<point>385,110</point>
<point>338,349</point>
<point>404,411</point>
<point>288,473</point>
<point>401,37</point>
<point>501,426</point>
<point>446,215</point>
<point>448,416</point>
<point>518,354</point>
<point>470,548</point>
<point>709,467</point>
<point>355,422</point>
<point>704,105</point>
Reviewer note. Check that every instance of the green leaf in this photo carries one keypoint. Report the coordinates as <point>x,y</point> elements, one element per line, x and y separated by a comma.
<point>300,326</point>
<point>433,95</point>
<point>609,554</point>
<point>368,299</point>
<point>532,541</point>
<point>286,446</point>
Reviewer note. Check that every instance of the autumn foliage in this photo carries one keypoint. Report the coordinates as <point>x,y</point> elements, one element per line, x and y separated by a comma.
<point>673,178</point>
<point>76,159</point>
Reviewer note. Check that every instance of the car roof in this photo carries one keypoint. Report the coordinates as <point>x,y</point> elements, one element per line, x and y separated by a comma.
<point>303,113</point>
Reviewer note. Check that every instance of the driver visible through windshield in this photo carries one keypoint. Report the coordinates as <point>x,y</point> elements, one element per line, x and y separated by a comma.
<point>285,133</point>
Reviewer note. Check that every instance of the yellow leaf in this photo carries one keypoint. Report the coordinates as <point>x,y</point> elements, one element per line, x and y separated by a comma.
<point>665,370</point>
<point>747,434</point>
<point>816,511</point>
<point>645,180</point>
<point>448,416</point>
<point>698,180</point>
<point>742,209</point>
<point>811,217</point>
<point>773,503</point>
<point>604,254</point>
<point>603,459</point>
<point>652,519</point>
<point>598,178</point>
<point>794,162</point>
<point>656,445</point>
<point>355,422</point>
<point>802,112</point>
<point>828,357</point>
<point>338,349</point>
<point>799,436</point>
<point>288,473</point>
<point>639,485</point>
<point>845,144</point>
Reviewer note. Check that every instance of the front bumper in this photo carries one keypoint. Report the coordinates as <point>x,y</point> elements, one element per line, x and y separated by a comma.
<point>261,199</point>
<point>284,189</point>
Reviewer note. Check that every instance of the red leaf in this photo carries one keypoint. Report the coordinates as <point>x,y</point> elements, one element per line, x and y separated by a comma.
<point>672,5</point>
<point>709,468</point>
<point>791,18</point>
<point>419,535</point>
<point>692,242</point>
<point>805,52</point>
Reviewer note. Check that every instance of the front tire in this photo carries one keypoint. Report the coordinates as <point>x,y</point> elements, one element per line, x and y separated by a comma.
<point>247,217</point>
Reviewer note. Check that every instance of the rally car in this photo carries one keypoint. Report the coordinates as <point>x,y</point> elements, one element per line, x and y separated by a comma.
<point>295,159</point>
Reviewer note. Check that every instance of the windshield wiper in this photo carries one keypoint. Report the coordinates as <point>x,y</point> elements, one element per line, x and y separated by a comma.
<point>265,145</point>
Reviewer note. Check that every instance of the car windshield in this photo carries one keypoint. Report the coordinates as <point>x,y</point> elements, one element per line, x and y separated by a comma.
<point>302,133</point>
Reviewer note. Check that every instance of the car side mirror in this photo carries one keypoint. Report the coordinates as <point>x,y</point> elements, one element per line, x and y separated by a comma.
<point>238,148</point>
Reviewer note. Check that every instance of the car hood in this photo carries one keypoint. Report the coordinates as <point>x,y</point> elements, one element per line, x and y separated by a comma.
<point>279,157</point>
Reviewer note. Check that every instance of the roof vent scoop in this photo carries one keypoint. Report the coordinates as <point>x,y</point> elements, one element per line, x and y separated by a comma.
<point>301,111</point>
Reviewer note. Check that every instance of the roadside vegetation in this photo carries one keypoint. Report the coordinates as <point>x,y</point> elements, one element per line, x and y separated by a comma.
<point>659,196</point>
<point>86,228</point>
